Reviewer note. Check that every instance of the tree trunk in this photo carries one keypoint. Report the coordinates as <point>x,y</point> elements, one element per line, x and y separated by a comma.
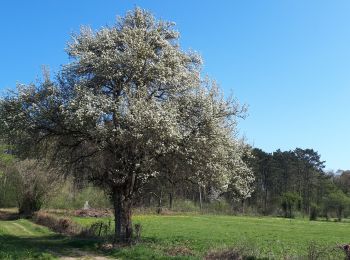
<point>339,214</point>
<point>28,205</point>
<point>160,204</point>
<point>4,194</point>
<point>170,200</point>
<point>265,201</point>
<point>117,217</point>
<point>122,218</point>
<point>149,201</point>
<point>290,214</point>
<point>200,198</point>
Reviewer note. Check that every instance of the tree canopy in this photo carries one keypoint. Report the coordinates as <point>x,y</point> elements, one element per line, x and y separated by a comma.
<point>131,106</point>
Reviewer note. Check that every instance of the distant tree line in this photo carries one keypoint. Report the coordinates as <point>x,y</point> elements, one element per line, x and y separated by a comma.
<point>296,181</point>
<point>286,183</point>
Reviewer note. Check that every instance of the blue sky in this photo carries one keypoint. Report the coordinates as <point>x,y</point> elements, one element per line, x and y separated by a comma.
<point>288,60</point>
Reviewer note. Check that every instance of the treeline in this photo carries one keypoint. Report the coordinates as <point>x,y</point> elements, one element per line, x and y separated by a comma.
<point>287,183</point>
<point>295,180</point>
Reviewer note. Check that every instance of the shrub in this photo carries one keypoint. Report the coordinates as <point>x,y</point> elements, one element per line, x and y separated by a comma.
<point>317,251</point>
<point>289,201</point>
<point>185,206</point>
<point>218,207</point>
<point>314,211</point>
<point>97,229</point>
<point>60,225</point>
<point>35,183</point>
<point>338,202</point>
<point>137,233</point>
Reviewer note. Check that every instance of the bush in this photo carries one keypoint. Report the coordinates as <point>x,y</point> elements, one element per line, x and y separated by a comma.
<point>337,202</point>
<point>8,187</point>
<point>60,225</point>
<point>289,201</point>
<point>35,184</point>
<point>314,211</point>
<point>218,207</point>
<point>97,229</point>
<point>9,178</point>
<point>317,251</point>
<point>185,206</point>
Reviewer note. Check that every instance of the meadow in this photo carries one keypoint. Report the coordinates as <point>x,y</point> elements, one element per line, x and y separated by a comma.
<point>264,237</point>
<point>184,237</point>
<point>21,239</point>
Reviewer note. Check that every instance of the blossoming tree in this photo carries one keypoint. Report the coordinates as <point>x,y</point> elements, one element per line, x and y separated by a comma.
<point>130,107</point>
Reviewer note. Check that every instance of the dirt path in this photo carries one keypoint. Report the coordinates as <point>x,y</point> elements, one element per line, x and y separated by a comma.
<point>24,229</point>
<point>23,236</point>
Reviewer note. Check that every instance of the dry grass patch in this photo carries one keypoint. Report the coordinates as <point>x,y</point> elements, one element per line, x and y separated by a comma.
<point>229,254</point>
<point>179,251</point>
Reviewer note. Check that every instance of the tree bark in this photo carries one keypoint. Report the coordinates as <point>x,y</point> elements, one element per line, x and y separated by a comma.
<point>265,201</point>
<point>28,206</point>
<point>200,198</point>
<point>122,218</point>
<point>170,200</point>
<point>160,203</point>
<point>117,217</point>
<point>339,214</point>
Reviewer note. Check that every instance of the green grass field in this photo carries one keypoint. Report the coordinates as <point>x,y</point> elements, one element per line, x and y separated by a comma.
<point>265,237</point>
<point>22,240</point>
<point>184,237</point>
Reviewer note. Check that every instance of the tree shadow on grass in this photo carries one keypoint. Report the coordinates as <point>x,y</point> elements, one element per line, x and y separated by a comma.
<point>16,247</point>
<point>45,247</point>
<point>57,245</point>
